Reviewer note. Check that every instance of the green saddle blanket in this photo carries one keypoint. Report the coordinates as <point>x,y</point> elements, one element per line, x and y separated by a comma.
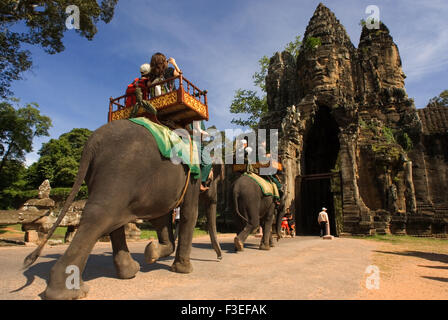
<point>267,187</point>
<point>169,143</point>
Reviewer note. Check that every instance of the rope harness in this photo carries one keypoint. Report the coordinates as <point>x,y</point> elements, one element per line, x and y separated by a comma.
<point>188,176</point>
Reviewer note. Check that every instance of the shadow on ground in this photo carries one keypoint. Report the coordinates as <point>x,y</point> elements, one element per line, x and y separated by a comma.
<point>436,278</point>
<point>98,266</point>
<point>438,257</point>
<point>435,267</point>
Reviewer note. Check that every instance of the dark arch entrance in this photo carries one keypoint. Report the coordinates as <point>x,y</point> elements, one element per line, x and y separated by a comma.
<point>321,150</point>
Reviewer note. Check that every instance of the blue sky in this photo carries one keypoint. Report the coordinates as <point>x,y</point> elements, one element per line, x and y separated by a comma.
<point>217,45</point>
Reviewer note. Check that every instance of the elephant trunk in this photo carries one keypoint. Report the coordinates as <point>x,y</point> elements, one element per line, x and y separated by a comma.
<point>211,197</point>
<point>211,222</point>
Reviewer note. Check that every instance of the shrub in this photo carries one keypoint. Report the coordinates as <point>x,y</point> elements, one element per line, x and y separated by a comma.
<point>312,42</point>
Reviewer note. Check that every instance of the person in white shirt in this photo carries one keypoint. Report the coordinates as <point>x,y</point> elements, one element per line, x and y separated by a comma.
<point>176,220</point>
<point>323,220</point>
<point>245,151</point>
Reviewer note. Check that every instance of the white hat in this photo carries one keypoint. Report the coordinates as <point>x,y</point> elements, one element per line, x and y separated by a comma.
<point>324,209</point>
<point>145,69</point>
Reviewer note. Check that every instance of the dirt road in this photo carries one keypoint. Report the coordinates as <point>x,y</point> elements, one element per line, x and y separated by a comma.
<point>299,268</point>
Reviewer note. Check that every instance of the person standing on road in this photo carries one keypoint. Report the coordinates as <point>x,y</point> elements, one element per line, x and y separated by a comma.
<point>176,220</point>
<point>323,220</point>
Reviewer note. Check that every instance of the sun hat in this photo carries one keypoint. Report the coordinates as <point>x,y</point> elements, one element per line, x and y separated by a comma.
<point>145,69</point>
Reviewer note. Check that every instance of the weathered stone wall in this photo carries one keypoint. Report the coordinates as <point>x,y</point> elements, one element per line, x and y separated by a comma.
<point>391,157</point>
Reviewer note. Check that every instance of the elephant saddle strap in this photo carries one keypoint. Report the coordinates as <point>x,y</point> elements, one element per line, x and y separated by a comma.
<point>267,187</point>
<point>187,182</point>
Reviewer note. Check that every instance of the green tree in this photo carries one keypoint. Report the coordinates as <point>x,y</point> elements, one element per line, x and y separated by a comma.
<point>248,101</point>
<point>59,159</point>
<point>13,174</point>
<point>293,47</point>
<point>18,127</point>
<point>41,23</point>
<point>441,99</point>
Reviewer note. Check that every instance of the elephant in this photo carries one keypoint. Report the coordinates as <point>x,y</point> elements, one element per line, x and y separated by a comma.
<point>252,209</point>
<point>127,179</point>
<point>209,199</point>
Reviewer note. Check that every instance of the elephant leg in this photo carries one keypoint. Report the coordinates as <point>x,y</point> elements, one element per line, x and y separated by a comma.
<point>65,277</point>
<point>165,246</point>
<point>252,223</point>
<point>125,266</point>
<point>267,229</point>
<point>271,241</point>
<point>188,218</point>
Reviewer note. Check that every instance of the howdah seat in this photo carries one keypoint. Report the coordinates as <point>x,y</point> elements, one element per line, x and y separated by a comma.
<point>182,104</point>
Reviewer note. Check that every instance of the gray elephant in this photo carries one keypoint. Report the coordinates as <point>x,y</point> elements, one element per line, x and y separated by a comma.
<point>209,199</point>
<point>127,179</point>
<point>253,209</point>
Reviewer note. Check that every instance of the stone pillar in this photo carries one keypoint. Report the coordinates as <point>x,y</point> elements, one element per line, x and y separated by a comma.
<point>132,231</point>
<point>36,231</point>
<point>327,235</point>
<point>71,231</point>
<point>411,202</point>
<point>357,218</point>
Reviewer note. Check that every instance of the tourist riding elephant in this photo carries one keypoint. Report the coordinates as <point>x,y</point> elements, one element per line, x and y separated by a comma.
<point>252,209</point>
<point>208,200</point>
<point>127,179</point>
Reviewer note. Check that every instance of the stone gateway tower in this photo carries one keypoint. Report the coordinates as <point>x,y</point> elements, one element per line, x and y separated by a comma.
<point>352,140</point>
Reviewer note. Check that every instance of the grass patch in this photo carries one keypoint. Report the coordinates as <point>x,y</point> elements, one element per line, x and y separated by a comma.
<point>17,227</point>
<point>405,239</point>
<point>59,233</point>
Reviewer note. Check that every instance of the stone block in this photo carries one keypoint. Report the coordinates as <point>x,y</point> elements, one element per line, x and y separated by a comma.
<point>31,236</point>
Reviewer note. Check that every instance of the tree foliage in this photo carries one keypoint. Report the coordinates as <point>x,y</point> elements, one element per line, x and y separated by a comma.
<point>259,77</point>
<point>18,127</point>
<point>441,99</point>
<point>59,159</point>
<point>41,23</point>
<point>248,101</point>
<point>293,47</point>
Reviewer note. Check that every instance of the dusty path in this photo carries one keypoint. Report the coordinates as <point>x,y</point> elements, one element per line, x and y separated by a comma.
<point>299,268</point>
<point>410,270</point>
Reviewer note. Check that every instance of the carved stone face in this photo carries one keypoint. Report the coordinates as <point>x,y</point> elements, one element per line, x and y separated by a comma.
<point>323,70</point>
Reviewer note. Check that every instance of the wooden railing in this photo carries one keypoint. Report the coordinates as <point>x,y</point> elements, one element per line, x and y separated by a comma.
<point>178,83</point>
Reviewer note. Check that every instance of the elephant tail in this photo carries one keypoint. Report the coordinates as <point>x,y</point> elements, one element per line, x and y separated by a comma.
<point>83,168</point>
<point>235,203</point>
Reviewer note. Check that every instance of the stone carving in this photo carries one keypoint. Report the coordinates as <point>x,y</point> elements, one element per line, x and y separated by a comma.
<point>37,216</point>
<point>392,158</point>
<point>44,190</point>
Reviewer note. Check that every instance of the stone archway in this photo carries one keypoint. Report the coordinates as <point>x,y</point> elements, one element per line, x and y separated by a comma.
<point>320,154</point>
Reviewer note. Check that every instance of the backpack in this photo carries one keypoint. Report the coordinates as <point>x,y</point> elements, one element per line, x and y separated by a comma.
<point>130,91</point>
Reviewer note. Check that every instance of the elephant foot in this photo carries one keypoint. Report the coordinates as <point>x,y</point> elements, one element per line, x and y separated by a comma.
<point>126,267</point>
<point>238,244</point>
<point>182,267</point>
<point>271,244</point>
<point>154,251</point>
<point>66,294</point>
<point>264,247</point>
